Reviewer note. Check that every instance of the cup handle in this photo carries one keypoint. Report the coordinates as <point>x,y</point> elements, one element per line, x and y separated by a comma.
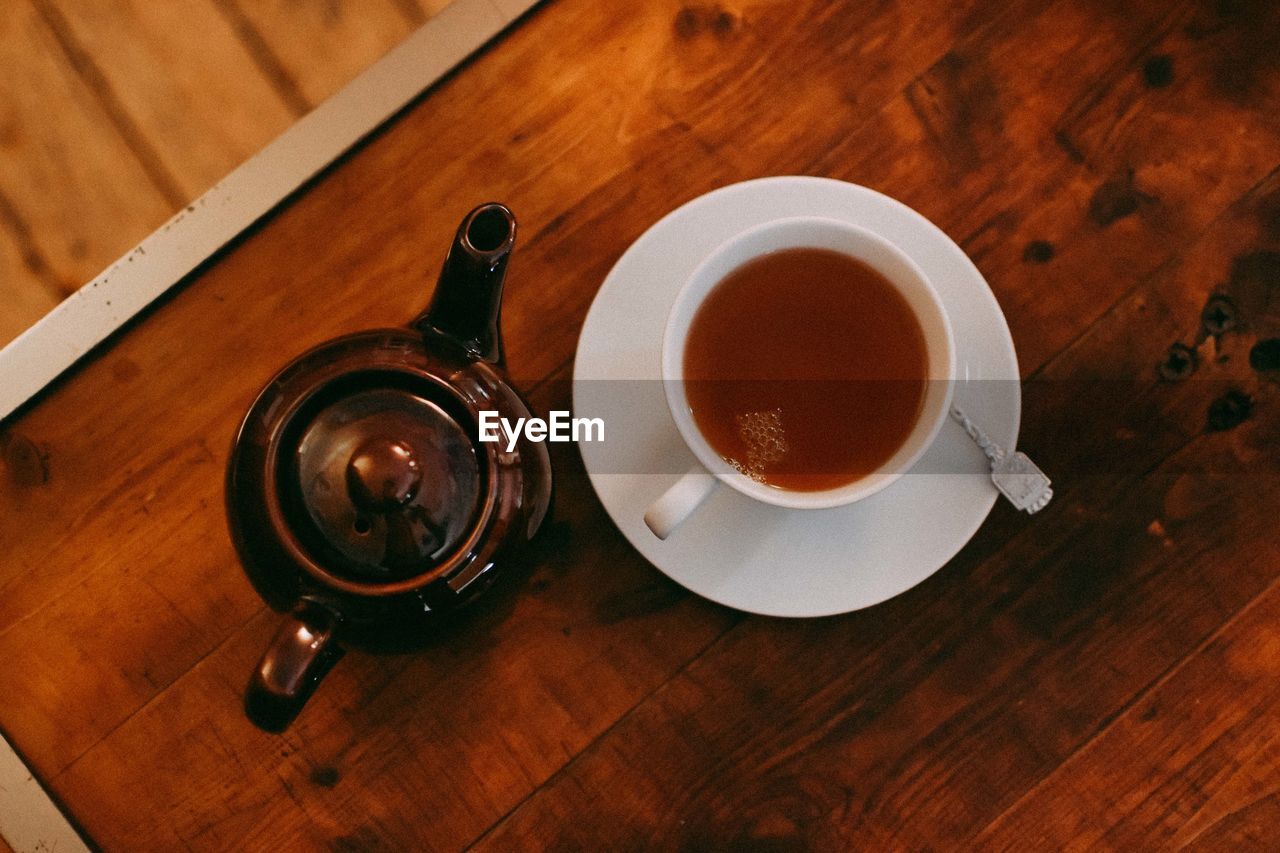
<point>678,502</point>
<point>301,653</point>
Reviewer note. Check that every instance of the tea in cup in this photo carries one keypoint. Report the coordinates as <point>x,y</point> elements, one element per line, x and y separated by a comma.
<point>807,363</point>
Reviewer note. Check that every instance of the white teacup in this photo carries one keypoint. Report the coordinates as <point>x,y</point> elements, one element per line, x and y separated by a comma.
<point>681,500</point>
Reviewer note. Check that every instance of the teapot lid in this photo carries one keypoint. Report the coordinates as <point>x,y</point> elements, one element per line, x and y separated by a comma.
<point>381,484</point>
<point>359,465</point>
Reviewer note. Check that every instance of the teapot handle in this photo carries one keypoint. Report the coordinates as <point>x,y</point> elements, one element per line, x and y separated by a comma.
<point>301,653</point>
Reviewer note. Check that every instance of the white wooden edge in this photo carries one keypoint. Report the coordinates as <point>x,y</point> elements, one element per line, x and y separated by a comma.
<point>82,321</point>
<point>29,820</point>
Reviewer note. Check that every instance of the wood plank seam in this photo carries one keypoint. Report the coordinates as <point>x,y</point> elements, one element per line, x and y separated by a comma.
<point>231,635</point>
<point>1191,843</point>
<point>264,57</point>
<point>88,71</point>
<point>737,619</point>
<point>410,11</point>
<point>32,258</point>
<point>1205,751</point>
<point>1168,674</point>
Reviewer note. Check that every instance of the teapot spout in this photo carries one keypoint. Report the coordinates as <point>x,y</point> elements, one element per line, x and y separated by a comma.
<point>467,304</point>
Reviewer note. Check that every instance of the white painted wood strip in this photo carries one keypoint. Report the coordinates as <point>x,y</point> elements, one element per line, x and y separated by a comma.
<point>40,354</point>
<point>29,821</point>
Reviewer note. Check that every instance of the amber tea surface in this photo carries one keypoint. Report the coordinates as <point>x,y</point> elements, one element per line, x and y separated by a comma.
<point>805,369</point>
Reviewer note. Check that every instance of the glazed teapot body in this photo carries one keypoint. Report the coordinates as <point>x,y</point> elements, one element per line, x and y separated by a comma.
<point>360,500</point>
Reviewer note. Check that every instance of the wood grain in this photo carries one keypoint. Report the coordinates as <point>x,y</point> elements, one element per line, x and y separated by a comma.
<point>913,724</point>
<point>319,46</point>
<point>71,191</point>
<point>189,628</point>
<point>23,295</point>
<point>1204,758</point>
<point>1105,220</point>
<point>1109,170</point>
<point>179,82</point>
<point>1206,712</point>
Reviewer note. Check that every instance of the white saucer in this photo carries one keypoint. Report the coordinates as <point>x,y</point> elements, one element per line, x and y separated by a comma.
<point>737,551</point>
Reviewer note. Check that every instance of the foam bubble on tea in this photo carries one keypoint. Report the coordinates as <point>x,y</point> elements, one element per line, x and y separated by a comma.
<point>766,442</point>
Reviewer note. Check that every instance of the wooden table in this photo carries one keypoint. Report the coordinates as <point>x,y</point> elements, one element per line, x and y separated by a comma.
<point>1105,674</point>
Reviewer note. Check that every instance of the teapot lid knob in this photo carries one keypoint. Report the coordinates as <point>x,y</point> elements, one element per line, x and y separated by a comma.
<point>387,480</point>
<point>383,474</point>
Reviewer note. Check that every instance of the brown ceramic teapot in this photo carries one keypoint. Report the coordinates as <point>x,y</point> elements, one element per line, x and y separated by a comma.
<point>360,500</point>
